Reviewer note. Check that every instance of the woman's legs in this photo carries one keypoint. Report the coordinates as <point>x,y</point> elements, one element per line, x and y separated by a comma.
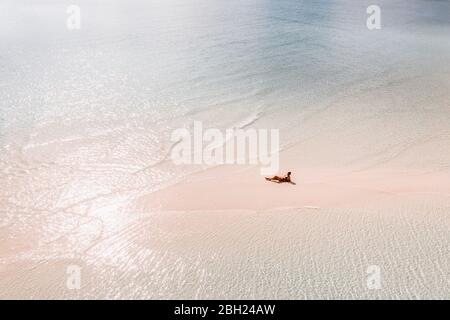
<point>275,178</point>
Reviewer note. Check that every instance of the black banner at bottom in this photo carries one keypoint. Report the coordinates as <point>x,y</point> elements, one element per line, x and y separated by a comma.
<point>223,309</point>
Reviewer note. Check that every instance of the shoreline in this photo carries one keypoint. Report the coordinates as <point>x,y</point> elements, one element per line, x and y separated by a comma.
<point>237,188</point>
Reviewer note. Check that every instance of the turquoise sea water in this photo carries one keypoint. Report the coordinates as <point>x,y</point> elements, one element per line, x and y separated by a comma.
<point>217,60</point>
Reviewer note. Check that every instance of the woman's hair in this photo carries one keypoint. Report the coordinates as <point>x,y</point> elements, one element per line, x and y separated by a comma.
<point>289,173</point>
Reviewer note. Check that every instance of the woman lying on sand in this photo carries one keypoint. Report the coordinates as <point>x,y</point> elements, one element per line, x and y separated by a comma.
<point>278,179</point>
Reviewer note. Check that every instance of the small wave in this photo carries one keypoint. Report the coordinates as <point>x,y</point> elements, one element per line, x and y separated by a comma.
<point>160,161</point>
<point>251,119</point>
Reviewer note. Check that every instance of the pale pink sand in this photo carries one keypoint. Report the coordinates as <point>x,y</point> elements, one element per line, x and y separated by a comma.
<point>227,188</point>
<point>254,254</point>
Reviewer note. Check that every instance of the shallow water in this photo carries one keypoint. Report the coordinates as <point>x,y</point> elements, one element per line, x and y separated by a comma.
<point>86,115</point>
<point>137,70</point>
